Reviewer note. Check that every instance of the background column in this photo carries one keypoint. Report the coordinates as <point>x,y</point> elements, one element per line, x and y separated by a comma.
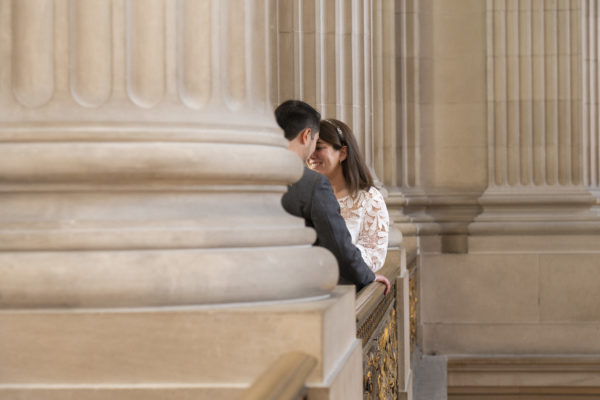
<point>541,119</point>
<point>526,281</point>
<point>341,57</point>
<point>590,95</point>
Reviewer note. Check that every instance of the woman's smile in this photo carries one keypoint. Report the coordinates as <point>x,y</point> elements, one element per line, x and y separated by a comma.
<point>325,159</point>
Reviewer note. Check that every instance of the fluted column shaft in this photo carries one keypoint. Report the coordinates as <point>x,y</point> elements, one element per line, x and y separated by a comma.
<point>534,93</point>
<point>407,108</point>
<point>591,93</point>
<point>139,159</point>
<point>541,116</point>
<point>340,57</point>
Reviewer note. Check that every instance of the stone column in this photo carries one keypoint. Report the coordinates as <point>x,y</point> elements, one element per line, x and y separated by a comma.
<point>509,141</point>
<point>541,119</point>
<point>591,93</point>
<point>407,133</point>
<point>408,59</point>
<point>326,59</point>
<point>440,95</point>
<point>340,56</point>
<point>144,251</point>
<point>139,159</point>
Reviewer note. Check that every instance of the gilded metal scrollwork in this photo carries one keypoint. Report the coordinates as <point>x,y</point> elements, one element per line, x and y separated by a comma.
<point>413,301</point>
<point>381,370</point>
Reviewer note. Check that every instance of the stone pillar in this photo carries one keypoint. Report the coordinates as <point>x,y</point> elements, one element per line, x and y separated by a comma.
<point>407,133</point>
<point>140,159</point>
<point>408,94</point>
<point>340,56</point>
<point>143,247</point>
<point>326,59</point>
<point>440,96</point>
<point>541,119</point>
<point>590,47</point>
<point>535,242</point>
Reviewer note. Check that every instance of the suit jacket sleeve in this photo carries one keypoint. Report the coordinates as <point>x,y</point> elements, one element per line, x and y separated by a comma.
<point>333,234</point>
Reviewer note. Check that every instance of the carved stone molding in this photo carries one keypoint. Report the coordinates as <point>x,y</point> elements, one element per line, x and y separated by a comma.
<point>560,376</point>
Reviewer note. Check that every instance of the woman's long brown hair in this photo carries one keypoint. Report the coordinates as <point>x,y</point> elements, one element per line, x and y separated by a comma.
<point>355,171</point>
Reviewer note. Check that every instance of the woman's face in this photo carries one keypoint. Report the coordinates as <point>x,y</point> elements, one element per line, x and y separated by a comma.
<point>325,159</point>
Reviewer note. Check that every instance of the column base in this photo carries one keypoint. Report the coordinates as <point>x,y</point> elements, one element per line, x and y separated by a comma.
<point>204,352</point>
<point>535,244</point>
<point>520,376</point>
<point>163,277</point>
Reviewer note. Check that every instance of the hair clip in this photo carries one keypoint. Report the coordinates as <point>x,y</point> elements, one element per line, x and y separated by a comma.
<point>339,132</point>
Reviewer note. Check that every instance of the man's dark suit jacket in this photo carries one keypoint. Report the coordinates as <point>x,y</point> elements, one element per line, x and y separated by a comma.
<point>312,198</point>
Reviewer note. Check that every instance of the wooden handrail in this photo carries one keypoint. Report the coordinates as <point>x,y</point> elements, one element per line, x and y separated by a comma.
<point>283,380</point>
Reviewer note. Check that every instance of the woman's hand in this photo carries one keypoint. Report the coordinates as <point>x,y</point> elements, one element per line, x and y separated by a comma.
<point>384,280</point>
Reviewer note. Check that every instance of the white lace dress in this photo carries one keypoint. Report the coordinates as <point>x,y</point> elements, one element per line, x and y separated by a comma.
<point>368,221</point>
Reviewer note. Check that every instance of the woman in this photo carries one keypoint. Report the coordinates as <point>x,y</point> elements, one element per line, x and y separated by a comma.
<point>338,158</point>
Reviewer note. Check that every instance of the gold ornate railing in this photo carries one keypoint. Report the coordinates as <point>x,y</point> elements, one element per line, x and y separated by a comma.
<point>387,325</point>
<point>283,380</point>
<point>413,306</point>
<point>377,327</point>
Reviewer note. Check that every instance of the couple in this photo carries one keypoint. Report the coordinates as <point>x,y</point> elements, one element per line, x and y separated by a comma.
<point>330,148</point>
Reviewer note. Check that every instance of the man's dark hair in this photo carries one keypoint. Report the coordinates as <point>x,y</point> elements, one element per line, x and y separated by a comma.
<point>293,116</point>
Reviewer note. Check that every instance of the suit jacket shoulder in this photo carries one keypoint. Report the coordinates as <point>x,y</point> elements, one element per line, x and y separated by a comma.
<point>312,198</point>
<point>298,199</point>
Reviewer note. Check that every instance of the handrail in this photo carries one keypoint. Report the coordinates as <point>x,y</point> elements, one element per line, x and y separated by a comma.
<point>283,380</point>
<point>371,295</point>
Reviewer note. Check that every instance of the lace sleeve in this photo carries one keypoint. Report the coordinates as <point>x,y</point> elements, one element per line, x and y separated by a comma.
<point>372,238</point>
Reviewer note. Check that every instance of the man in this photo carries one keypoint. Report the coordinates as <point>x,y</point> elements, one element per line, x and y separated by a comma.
<point>312,197</point>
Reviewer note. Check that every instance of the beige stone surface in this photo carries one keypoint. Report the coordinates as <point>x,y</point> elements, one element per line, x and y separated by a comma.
<point>175,348</point>
<point>538,136</point>
<point>430,244</point>
<point>538,244</point>
<point>456,80</point>
<point>128,278</point>
<point>141,180</point>
<point>343,383</point>
<point>140,163</point>
<point>506,339</point>
<point>509,394</point>
<point>570,288</point>
<point>461,123</point>
<point>523,371</point>
<point>403,326</point>
<point>490,289</point>
<point>99,392</point>
<point>459,31</point>
<point>453,166</point>
<point>120,120</point>
<point>509,303</point>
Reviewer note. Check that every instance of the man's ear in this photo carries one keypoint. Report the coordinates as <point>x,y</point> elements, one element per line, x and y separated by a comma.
<point>305,136</point>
